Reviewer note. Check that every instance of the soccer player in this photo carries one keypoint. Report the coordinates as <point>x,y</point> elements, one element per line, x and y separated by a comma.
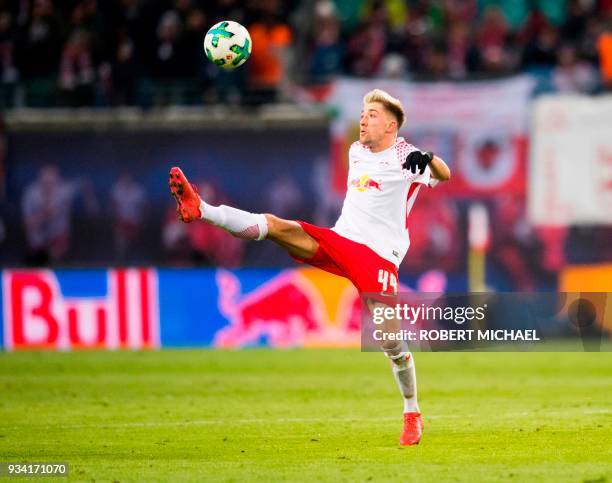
<point>370,238</point>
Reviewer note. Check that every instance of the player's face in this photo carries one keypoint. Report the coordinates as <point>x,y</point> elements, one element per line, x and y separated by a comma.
<point>375,124</point>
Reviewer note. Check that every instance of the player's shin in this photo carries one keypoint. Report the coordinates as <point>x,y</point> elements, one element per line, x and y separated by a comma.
<point>404,372</point>
<point>242,224</point>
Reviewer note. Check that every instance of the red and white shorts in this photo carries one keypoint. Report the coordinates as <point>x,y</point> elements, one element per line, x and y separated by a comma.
<point>367,270</point>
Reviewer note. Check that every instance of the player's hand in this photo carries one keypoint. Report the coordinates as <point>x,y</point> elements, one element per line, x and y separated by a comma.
<point>418,160</point>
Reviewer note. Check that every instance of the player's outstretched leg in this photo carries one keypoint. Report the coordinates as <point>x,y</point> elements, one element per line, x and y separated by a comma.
<point>190,207</point>
<point>242,224</point>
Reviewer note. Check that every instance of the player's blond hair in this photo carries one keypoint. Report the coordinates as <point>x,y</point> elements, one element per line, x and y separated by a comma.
<point>390,103</point>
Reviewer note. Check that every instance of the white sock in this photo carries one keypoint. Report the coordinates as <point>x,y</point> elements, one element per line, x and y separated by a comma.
<point>242,224</point>
<point>405,376</point>
<point>404,373</point>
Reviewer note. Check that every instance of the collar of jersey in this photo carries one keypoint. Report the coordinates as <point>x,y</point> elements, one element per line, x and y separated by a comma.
<point>397,141</point>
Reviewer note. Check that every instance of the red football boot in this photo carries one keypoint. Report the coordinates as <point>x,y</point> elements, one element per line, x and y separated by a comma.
<point>186,196</point>
<point>413,429</point>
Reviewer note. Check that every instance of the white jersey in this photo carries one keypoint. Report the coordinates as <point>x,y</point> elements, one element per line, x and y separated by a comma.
<point>379,197</point>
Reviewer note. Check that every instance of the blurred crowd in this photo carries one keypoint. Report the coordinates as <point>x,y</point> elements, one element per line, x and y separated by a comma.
<point>149,52</point>
<point>72,219</point>
<point>116,52</point>
<point>465,38</point>
<point>54,207</point>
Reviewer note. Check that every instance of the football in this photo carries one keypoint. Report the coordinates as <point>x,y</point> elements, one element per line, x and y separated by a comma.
<point>227,44</point>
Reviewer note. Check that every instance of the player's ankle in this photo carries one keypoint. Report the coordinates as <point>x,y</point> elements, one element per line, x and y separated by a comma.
<point>411,406</point>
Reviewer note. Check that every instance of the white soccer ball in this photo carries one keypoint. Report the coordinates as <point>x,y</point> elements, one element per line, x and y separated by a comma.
<point>227,44</point>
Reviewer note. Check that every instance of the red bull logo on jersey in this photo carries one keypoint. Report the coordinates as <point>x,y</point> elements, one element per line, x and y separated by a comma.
<point>111,309</point>
<point>365,183</point>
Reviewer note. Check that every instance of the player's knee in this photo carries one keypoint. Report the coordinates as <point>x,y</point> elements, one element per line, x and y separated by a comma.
<point>276,226</point>
<point>389,347</point>
<point>290,235</point>
<point>285,230</point>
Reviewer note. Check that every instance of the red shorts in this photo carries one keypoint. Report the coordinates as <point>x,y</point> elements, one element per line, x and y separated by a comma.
<point>368,271</point>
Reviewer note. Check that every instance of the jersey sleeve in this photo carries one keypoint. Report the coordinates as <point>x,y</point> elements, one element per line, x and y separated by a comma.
<point>426,178</point>
<point>403,149</point>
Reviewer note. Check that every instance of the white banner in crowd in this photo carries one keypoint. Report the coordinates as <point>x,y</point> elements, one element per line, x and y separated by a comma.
<point>475,105</point>
<point>570,176</point>
<point>480,128</point>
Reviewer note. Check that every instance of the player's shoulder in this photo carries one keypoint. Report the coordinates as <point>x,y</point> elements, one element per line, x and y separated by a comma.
<point>402,149</point>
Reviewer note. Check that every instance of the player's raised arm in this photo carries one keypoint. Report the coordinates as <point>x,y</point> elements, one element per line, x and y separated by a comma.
<point>417,161</point>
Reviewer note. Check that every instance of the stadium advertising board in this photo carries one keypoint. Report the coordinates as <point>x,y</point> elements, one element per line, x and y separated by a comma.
<point>302,307</point>
<point>122,309</point>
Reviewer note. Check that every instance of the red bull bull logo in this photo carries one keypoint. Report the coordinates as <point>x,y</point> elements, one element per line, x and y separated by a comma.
<point>290,310</point>
<point>45,310</point>
<point>365,183</point>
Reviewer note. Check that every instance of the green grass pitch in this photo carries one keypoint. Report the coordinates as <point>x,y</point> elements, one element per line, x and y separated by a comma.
<point>327,415</point>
